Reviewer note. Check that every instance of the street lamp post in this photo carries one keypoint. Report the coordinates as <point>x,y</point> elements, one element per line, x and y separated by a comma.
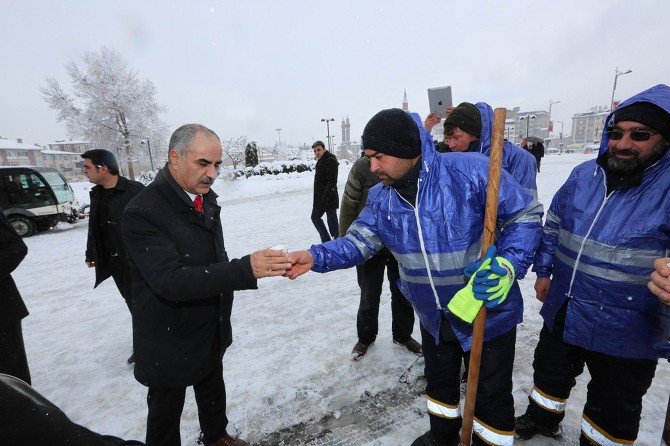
<point>617,73</point>
<point>151,158</point>
<point>328,121</point>
<point>527,118</point>
<point>279,136</point>
<point>560,137</point>
<point>550,104</point>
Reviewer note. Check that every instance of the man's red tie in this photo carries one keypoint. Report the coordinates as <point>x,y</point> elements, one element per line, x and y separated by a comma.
<point>197,203</point>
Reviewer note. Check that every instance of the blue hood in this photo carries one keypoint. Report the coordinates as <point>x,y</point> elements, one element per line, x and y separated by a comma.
<point>658,95</point>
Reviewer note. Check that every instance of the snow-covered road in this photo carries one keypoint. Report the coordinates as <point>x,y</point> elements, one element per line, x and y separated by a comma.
<point>290,360</point>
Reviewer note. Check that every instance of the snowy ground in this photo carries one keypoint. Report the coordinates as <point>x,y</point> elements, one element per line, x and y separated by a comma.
<point>290,360</point>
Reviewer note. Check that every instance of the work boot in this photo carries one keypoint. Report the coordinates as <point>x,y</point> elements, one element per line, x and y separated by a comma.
<point>360,349</point>
<point>427,439</point>
<point>526,428</point>
<point>227,440</point>
<point>411,345</point>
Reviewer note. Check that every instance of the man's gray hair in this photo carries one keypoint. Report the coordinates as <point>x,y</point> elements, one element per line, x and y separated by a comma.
<point>181,139</point>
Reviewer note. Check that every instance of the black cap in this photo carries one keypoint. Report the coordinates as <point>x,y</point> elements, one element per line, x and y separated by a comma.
<point>392,132</point>
<point>467,118</point>
<point>651,115</point>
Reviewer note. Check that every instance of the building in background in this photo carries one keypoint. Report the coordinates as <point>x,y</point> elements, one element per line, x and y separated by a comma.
<point>14,152</point>
<point>347,150</point>
<point>587,127</point>
<point>67,163</point>
<point>69,146</point>
<point>531,123</point>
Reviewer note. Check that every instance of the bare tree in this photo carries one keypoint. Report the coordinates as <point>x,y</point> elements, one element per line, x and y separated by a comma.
<point>110,107</point>
<point>234,149</point>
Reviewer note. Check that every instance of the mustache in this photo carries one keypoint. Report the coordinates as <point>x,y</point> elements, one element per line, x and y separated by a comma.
<point>206,180</point>
<point>626,152</point>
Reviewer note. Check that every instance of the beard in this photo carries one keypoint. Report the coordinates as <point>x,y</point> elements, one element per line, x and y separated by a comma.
<point>626,167</point>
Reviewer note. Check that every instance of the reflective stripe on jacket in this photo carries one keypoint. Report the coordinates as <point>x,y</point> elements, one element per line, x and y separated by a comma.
<point>600,251</point>
<point>434,238</point>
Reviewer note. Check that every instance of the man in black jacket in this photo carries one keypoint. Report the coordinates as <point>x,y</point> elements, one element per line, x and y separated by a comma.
<point>110,196</point>
<point>371,273</point>
<point>12,309</point>
<point>326,199</point>
<point>183,285</point>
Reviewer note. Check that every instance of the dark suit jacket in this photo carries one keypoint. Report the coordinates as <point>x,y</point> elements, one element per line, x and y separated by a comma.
<point>12,252</point>
<point>125,191</point>
<point>183,284</point>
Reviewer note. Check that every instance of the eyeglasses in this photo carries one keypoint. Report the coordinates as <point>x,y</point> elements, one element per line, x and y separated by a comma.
<point>635,134</point>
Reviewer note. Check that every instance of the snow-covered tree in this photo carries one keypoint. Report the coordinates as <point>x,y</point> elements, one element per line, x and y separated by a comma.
<point>110,107</point>
<point>251,155</point>
<point>234,149</point>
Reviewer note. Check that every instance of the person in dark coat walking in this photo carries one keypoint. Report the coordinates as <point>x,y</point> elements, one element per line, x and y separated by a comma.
<point>110,196</point>
<point>183,285</point>
<point>12,309</point>
<point>371,273</point>
<point>326,198</point>
<point>537,150</point>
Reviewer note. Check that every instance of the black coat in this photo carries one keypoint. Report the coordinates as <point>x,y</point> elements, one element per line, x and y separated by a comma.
<point>183,284</point>
<point>325,182</point>
<point>12,252</point>
<point>125,190</point>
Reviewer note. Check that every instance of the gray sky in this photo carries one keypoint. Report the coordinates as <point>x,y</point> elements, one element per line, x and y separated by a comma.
<point>249,67</point>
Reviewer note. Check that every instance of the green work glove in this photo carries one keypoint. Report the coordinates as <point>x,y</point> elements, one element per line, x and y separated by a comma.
<point>488,286</point>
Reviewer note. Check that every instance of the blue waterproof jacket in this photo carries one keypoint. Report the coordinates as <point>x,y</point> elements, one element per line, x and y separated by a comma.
<point>600,251</point>
<point>434,238</point>
<point>516,161</point>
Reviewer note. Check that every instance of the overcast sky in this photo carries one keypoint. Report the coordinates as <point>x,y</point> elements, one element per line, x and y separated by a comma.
<point>249,67</point>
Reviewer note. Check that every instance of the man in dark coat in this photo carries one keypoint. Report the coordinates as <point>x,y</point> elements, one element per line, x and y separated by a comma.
<point>326,199</point>
<point>537,150</point>
<point>104,249</point>
<point>12,309</point>
<point>30,419</point>
<point>183,287</point>
<point>371,273</point>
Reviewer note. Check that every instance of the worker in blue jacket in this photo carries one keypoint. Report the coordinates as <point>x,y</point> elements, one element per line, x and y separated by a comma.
<point>428,211</point>
<point>467,128</point>
<point>605,227</point>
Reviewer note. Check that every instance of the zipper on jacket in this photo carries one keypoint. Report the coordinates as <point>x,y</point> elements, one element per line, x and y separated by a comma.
<point>595,219</point>
<point>420,234</point>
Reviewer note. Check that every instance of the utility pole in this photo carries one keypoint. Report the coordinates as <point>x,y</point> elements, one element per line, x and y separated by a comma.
<point>328,121</point>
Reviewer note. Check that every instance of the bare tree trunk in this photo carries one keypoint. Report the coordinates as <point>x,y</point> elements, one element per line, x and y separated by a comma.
<point>131,171</point>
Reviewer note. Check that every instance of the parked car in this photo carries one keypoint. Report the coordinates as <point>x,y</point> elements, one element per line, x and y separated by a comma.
<point>552,151</point>
<point>35,198</point>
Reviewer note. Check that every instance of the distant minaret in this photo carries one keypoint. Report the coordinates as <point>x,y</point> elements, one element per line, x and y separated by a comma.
<point>405,105</point>
<point>344,131</point>
<point>347,128</point>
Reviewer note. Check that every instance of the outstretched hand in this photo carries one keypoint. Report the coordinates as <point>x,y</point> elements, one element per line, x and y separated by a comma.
<point>269,262</point>
<point>302,262</point>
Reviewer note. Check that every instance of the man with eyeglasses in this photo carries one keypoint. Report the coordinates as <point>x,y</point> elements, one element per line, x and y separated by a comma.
<point>605,227</point>
<point>109,197</point>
